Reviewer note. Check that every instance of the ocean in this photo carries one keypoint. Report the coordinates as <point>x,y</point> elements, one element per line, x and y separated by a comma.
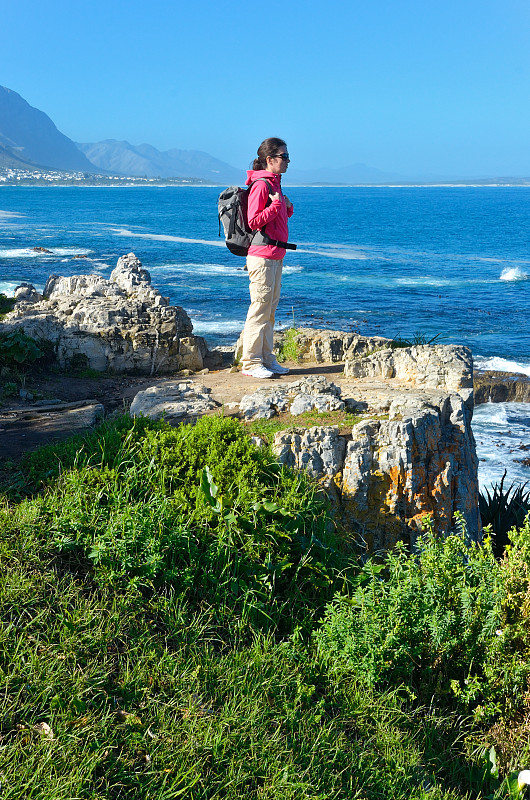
<point>451,262</point>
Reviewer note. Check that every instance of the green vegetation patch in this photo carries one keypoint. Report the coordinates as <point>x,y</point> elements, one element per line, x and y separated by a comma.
<point>289,349</point>
<point>445,622</point>
<point>177,620</point>
<point>267,428</point>
<point>197,508</point>
<point>6,304</point>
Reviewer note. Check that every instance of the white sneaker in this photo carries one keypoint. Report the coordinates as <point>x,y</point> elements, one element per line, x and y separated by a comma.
<point>277,368</point>
<point>258,372</point>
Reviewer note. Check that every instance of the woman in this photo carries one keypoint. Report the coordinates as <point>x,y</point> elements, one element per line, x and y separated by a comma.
<point>268,211</point>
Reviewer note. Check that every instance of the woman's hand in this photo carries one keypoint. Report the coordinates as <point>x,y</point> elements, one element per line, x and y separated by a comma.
<point>274,197</point>
<point>287,201</point>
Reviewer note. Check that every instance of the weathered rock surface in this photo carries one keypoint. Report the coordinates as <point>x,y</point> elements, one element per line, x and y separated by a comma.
<point>442,367</point>
<point>321,346</point>
<point>176,401</point>
<point>311,393</point>
<point>121,324</point>
<point>501,387</point>
<point>394,473</point>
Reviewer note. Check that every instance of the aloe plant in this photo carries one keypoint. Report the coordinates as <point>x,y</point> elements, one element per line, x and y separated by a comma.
<point>503,509</point>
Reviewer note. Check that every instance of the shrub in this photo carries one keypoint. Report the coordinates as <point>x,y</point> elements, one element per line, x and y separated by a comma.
<point>451,622</point>
<point>289,349</point>
<point>17,349</point>
<point>421,620</point>
<point>198,508</point>
<point>6,304</point>
<point>417,339</point>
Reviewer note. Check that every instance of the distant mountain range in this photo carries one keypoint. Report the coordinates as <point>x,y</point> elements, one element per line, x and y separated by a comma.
<point>126,159</point>
<point>122,158</point>
<point>29,139</point>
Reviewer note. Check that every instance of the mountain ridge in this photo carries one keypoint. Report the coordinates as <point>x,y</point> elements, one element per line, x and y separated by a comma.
<point>138,160</point>
<point>29,135</point>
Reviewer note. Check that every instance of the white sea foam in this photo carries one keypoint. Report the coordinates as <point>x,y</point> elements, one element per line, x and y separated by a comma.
<point>292,269</point>
<point>346,254</point>
<point>500,364</point>
<point>335,251</point>
<point>423,280</point>
<point>70,251</point>
<point>164,237</point>
<point>27,252</point>
<point>221,326</point>
<point>19,252</point>
<point>8,287</point>
<point>10,214</point>
<point>501,434</point>
<point>201,269</point>
<point>514,274</point>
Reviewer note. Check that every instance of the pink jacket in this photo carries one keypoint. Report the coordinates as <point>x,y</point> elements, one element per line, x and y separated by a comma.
<point>274,216</point>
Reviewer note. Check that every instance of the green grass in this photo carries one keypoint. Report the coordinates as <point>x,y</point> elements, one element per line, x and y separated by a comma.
<point>146,697</point>
<point>160,594</point>
<point>267,428</point>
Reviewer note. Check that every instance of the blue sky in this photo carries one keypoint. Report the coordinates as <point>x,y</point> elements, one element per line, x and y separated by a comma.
<point>417,87</point>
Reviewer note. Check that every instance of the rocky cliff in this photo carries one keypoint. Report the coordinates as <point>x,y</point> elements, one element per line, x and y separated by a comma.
<point>501,387</point>
<point>390,475</point>
<point>116,325</point>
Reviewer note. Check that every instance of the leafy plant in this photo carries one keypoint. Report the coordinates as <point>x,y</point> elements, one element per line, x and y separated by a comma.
<point>9,389</point>
<point>6,304</point>
<point>289,349</point>
<point>17,349</point>
<point>198,508</point>
<point>504,509</point>
<point>425,620</point>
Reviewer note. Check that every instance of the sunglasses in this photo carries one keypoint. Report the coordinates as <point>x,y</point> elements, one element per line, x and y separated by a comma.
<point>283,156</point>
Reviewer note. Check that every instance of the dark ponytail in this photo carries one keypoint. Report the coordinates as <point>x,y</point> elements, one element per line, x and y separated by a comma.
<point>268,147</point>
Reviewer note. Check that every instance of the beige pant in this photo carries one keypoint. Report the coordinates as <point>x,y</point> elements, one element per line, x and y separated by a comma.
<point>265,283</point>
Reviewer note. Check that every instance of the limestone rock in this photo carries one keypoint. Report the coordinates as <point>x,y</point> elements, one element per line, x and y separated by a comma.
<point>319,451</point>
<point>321,346</point>
<point>320,402</point>
<point>441,367</point>
<point>26,293</point>
<point>176,401</point>
<point>117,325</point>
<point>393,474</point>
<point>313,392</point>
<point>263,404</point>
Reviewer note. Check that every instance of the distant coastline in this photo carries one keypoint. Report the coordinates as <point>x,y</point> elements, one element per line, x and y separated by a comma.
<point>43,177</point>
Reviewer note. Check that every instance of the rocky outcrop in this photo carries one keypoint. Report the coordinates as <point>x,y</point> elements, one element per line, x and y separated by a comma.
<point>325,346</point>
<point>393,474</point>
<point>501,387</point>
<point>116,325</point>
<point>313,393</point>
<point>441,367</point>
<point>175,401</point>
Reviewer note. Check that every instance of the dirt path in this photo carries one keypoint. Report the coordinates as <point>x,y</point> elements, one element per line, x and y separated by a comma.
<point>26,424</point>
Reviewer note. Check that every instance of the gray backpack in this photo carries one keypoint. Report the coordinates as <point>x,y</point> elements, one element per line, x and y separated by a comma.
<point>232,210</point>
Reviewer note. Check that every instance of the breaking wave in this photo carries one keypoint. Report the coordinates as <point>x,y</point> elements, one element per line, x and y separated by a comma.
<point>497,364</point>
<point>514,274</point>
